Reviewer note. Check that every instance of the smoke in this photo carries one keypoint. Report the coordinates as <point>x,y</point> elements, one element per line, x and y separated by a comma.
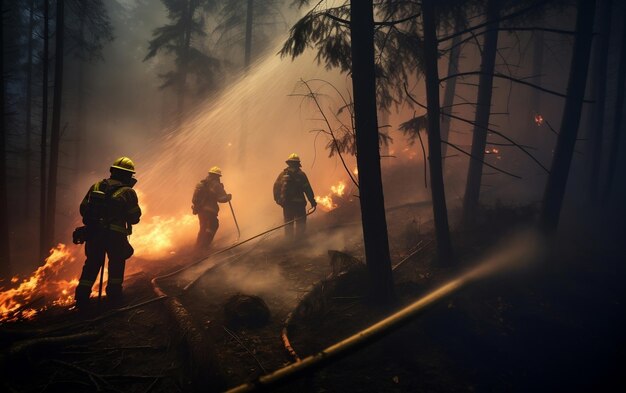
<point>250,128</point>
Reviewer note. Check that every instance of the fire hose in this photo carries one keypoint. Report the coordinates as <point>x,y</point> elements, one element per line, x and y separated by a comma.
<point>513,257</point>
<point>232,246</point>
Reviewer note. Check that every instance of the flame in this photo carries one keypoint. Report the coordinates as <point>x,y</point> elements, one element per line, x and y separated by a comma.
<point>161,236</point>
<point>538,119</point>
<point>157,236</point>
<point>326,201</point>
<point>356,170</point>
<point>46,281</point>
<point>339,189</point>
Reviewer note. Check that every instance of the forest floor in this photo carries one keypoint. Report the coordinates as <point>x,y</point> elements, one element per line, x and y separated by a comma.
<point>538,330</point>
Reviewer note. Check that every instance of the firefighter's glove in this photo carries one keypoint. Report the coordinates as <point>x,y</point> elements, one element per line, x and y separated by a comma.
<point>229,197</point>
<point>313,203</point>
<point>194,210</point>
<point>79,235</point>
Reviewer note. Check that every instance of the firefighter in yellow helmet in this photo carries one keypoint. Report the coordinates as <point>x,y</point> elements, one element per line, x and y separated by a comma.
<point>109,210</point>
<point>205,200</point>
<point>290,189</point>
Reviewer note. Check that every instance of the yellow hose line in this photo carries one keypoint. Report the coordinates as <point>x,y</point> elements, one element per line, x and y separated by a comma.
<point>363,337</point>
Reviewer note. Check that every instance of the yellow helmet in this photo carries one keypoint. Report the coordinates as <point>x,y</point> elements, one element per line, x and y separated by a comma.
<point>216,171</point>
<point>124,164</point>
<point>293,157</point>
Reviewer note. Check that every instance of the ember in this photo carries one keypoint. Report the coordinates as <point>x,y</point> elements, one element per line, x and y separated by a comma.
<point>538,120</point>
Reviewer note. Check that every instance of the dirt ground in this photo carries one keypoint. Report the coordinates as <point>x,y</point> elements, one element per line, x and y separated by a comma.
<point>545,329</point>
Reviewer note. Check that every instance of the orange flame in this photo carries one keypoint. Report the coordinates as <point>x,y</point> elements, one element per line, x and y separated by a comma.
<point>326,201</point>
<point>45,281</point>
<point>162,236</point>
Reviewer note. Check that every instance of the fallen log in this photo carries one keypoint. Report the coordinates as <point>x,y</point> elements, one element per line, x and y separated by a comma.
<point>198,347</point>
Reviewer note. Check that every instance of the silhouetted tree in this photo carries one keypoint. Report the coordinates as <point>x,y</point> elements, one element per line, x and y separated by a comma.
<point>557,180</point>
<point>618,116</point>
<point>28,103</point>
<point>328,31</point>
<point>431,71</point>
<point>450,89</point>
<point>43,176</point>
<point>88,30</point>
<point>5,260</point>
<point>599,70</point>
<point>178,38</point>
<point>368,157</point>
<point>248,25</point>
<point>483,112</point>
<point>55,131</point>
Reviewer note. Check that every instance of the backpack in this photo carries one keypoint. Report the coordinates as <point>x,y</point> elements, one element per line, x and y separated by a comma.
<point>99,203</point>
<point>290,188</point>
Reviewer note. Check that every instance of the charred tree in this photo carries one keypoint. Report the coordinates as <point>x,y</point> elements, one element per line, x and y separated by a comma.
<point>618,117</point>
<point>5,256</point>
<point>368,156</point>
<point>440,211</point>
<point>43,244</point>
<point>599,69</point>
<point>483,112</point>
<point>448,95</point>
<point>55,131</point>
<point>557,180</point>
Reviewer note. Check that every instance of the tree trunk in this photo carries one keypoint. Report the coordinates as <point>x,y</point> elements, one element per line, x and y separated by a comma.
<point>448,95</point>
<point>599,69</point>
<point>29,105</point>
<point>80,110</point>
<point>368,156</point>
<point>247,54</point>
<point>5,255</point>
<point>483,112</point>
<point>535,94</point>
<point>247,59</point>
<point>618,118</point>
<point>557,181</point>
<point>184,58</point>
<point>438,194</point>
<point>43,244</point>
<point>55,132</point>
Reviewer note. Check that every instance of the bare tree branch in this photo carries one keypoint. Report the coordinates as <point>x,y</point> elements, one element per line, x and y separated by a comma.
<point>314,98</point>
<point>488,129</point>
<point>482,161</point>
<point>510,78</point>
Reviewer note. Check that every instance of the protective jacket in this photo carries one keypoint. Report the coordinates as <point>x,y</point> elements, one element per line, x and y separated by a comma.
<point>109,210</point>
<point>208,193</point>
<point>292,186</point>
<point>110,204</point>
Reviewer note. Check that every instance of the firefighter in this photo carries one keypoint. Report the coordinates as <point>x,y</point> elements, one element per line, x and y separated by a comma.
<point>205,200</point>
<point>109,210</point>
<point>290,189</point>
